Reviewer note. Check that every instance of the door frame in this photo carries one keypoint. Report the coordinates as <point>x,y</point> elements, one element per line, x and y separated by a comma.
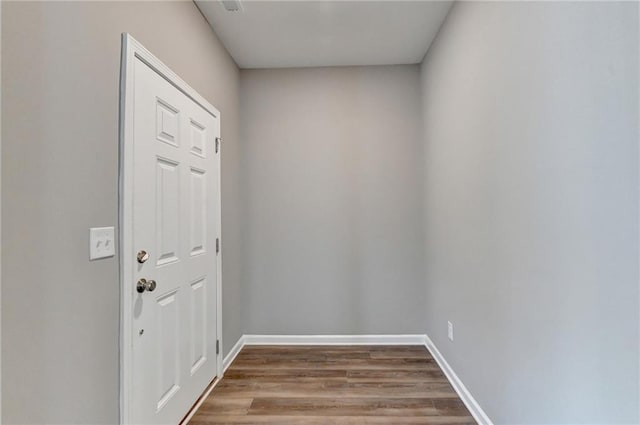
<point>132,50</point>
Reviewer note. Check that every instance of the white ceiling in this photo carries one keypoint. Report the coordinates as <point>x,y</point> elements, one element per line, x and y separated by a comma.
<point>283,34</point>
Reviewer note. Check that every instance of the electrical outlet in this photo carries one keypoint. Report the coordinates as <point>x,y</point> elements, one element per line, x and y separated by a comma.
<point>450,330</point>
<point>101,243</point>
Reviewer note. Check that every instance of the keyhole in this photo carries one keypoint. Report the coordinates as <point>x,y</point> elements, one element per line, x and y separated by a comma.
<point>141,331</point>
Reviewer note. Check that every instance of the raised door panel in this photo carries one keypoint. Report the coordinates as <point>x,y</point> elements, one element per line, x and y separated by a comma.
<point>198,212</point>
<point>167,118</point>
<point>168,348</point>
<point>167,211</point>
<point>198,137</point>
<point>198,325</point>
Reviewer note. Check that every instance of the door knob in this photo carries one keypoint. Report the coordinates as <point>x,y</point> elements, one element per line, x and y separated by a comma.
<point>145,285</point>
<point>142,256</point>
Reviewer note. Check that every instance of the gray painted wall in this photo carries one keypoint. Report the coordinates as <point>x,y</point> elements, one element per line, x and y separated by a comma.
<point>333,210</point>
<point>60,73</point>
<point>531,202</point>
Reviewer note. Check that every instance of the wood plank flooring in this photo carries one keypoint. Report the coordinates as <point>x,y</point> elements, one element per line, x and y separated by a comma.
<point>318,385</point>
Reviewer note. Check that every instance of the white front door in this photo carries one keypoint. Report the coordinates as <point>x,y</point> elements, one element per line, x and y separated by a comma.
<point>175,209</point>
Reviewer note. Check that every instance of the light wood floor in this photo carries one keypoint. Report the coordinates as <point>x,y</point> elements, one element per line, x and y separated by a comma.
<point>333,385</point>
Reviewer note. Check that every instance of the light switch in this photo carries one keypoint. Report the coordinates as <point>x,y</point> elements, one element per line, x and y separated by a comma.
<point>101,242</point>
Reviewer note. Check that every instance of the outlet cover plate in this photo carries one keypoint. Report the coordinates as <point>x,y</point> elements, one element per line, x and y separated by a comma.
<point>101,242</point>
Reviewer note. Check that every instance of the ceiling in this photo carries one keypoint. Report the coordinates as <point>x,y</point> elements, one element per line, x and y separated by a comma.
<point>285,34</point>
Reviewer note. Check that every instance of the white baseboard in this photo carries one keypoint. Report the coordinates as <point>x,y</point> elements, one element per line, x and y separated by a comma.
<point>229,358</point>
<point>334,339</point>
<point>476,411</point>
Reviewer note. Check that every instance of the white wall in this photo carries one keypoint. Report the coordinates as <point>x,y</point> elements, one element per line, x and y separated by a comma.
<point>333,210</point>
<point>531,207</point>
<point>60,76</point>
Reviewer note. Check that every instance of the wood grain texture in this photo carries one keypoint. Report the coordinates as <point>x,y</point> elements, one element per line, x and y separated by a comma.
<point>323,385</point>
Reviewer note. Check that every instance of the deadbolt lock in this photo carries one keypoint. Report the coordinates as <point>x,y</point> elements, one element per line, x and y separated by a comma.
<point>142,256</point>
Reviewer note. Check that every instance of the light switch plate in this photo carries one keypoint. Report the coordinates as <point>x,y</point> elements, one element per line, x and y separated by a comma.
<point>101,242</point>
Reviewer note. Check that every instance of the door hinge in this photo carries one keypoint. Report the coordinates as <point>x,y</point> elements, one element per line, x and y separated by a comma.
<point>217,245</point>
<point>217,346</point>
<point>218,140</point>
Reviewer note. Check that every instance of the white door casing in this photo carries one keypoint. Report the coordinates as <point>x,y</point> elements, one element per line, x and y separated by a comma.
<point>170,208</point>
